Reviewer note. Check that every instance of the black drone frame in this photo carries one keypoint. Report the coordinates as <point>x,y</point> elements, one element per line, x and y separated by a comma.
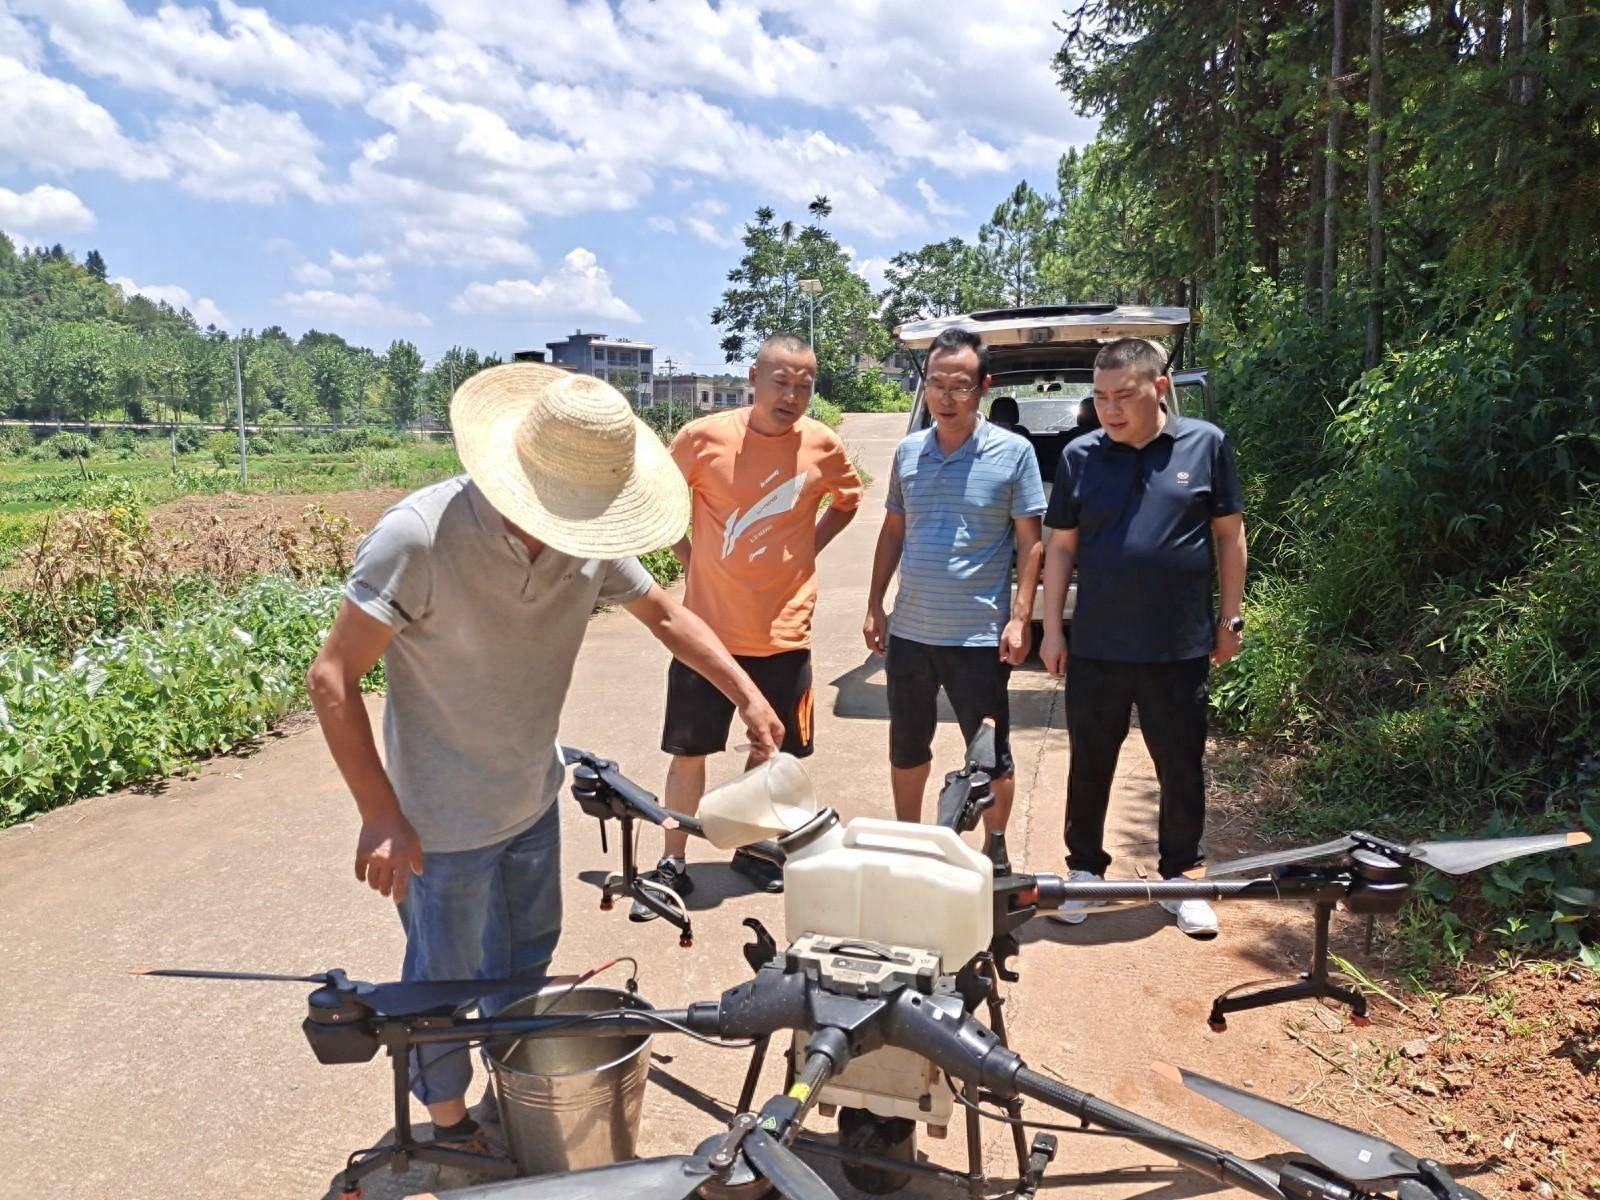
<point>349,1022</point>
<point>1370,876</point>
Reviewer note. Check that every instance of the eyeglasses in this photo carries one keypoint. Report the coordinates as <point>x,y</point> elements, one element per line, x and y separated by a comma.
<point>964,391</point>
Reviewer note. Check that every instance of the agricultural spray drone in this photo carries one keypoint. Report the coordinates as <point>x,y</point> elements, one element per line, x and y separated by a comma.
<point>888,1033</point>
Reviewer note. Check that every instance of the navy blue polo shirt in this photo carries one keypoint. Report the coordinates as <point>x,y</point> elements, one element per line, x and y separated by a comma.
<point>1145,553</point>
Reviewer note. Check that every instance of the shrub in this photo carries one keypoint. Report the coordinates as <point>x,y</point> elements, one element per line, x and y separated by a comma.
<point>190,439</point>
<point>14,442</point>
<point>140,705</point>
<point>260,443</point>
<point>224,448</point>
<point>67,444</point>
<point>829,413</point>
<point>663,566</point>
<point>116,439</point>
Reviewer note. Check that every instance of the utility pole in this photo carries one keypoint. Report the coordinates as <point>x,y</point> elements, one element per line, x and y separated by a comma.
<point>670,381</point>
<point>238,385</point>
<point>811,287</point>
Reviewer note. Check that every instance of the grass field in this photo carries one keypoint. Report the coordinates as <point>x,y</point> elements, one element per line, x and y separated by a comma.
<point>31,488</point>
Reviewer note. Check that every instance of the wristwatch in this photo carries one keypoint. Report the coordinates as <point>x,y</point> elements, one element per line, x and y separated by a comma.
<point>1234,624</point>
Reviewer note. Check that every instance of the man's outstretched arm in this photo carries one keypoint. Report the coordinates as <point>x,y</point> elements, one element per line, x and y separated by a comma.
<point>693,643</point>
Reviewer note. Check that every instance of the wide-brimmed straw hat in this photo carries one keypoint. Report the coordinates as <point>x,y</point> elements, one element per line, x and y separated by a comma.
<point>564,458</point>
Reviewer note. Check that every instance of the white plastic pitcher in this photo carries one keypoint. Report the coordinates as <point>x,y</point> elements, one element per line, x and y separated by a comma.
<point>767,801</point>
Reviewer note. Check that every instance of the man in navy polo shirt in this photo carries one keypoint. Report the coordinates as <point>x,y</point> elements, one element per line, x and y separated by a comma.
<point>962,496</point>
<point>1146,508</point>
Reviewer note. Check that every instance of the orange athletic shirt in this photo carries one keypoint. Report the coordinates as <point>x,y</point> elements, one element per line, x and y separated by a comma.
<point>753,562</point>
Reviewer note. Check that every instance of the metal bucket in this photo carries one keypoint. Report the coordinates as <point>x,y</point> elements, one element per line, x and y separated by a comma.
<point>570,1103</point>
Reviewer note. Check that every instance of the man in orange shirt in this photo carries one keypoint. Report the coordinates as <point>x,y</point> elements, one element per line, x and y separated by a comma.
<point>758,476</point>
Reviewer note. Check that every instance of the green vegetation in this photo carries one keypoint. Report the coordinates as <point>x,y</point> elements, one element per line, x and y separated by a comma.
<point>125,655</point>
<point>1389,220</point>
<point>74,349</point>
<point>140,705</point>
<point>763,298</point>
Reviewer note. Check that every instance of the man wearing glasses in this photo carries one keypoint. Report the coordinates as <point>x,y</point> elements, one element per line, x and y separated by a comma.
<point>758,477</point>
<point>963,496</point>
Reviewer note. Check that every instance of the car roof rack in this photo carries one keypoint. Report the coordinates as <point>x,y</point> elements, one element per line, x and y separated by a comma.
<point>1044,324</point>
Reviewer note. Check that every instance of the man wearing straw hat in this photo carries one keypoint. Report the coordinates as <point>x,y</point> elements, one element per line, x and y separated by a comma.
<point>475,593</point>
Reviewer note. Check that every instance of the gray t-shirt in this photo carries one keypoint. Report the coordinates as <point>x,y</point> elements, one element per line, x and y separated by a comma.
<point>482,655</point>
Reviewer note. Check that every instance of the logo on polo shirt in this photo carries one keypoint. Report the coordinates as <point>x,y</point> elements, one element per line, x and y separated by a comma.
<point>1183,477</point>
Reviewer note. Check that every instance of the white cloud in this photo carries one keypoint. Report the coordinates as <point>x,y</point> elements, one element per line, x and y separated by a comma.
<point>43,212</point>
<point>245,152</point>
<point>935,204</point>
<point>579,289</point>
<point>53,126</point>
<point>660,224</point>
<point>352,308</point>
<point>707,232</point>
<point>204,310</point>
<point>452,182</point>
<point>911,134</point>
<point>871,269</point>
<point>681,130</point>
<point>19,39</point>
<point>839,54</point>
<point>183,51</point>
<point>369,271</point>
<point>312,275</point>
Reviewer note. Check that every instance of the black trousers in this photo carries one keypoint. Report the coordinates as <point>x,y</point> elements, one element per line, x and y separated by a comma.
<point>1171,698</point>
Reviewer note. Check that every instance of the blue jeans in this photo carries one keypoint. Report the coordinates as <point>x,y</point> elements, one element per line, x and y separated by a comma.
<point>490,913</point>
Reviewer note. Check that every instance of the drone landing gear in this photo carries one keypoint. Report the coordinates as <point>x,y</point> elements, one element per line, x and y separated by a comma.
<point>628,883</point>
<point>1314,985</point>
<point>406,1149</point>
<point>896,1167</point>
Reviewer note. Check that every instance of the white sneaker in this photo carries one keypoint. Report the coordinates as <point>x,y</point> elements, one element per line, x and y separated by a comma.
<point>1072,912</point>
<point>1195,917</point>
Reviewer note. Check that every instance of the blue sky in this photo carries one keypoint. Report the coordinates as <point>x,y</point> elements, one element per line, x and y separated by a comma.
<point>496,173</point>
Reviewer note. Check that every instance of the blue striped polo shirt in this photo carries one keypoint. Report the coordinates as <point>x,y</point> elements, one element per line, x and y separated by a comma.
<point>955,571</point>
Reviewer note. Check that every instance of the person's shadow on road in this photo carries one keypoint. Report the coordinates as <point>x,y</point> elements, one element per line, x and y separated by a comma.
<point>862,694</point>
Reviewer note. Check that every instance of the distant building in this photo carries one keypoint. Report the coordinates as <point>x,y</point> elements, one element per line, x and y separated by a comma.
<point>536,356</point>
<point>705,393</point>
<point>625,364</point>
<point>896,369</point>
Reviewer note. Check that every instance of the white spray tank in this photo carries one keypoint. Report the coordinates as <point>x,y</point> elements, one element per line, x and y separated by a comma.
<point>891,882</point>
<point>894,882</point>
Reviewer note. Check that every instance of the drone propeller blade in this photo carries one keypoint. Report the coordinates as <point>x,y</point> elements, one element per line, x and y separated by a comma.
<point>1358,1157</point>
<point>1279,858</point>
<point>675,1178</point>
<point>1459,858</point>
<point>246,975</point>
<point>951,799</point>
<point>981,749</point>
<point>782,1169</point>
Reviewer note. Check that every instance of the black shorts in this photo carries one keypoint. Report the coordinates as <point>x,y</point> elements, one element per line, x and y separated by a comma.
<point>974,679</point>
<point>698,715</point>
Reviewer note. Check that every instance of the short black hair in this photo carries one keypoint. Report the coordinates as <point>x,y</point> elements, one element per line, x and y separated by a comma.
<point>956,340</point>
<point>785,343</point>
<point>1141,354</point>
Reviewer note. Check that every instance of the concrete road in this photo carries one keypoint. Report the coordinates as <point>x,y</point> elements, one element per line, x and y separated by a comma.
<point>143,1088</point>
